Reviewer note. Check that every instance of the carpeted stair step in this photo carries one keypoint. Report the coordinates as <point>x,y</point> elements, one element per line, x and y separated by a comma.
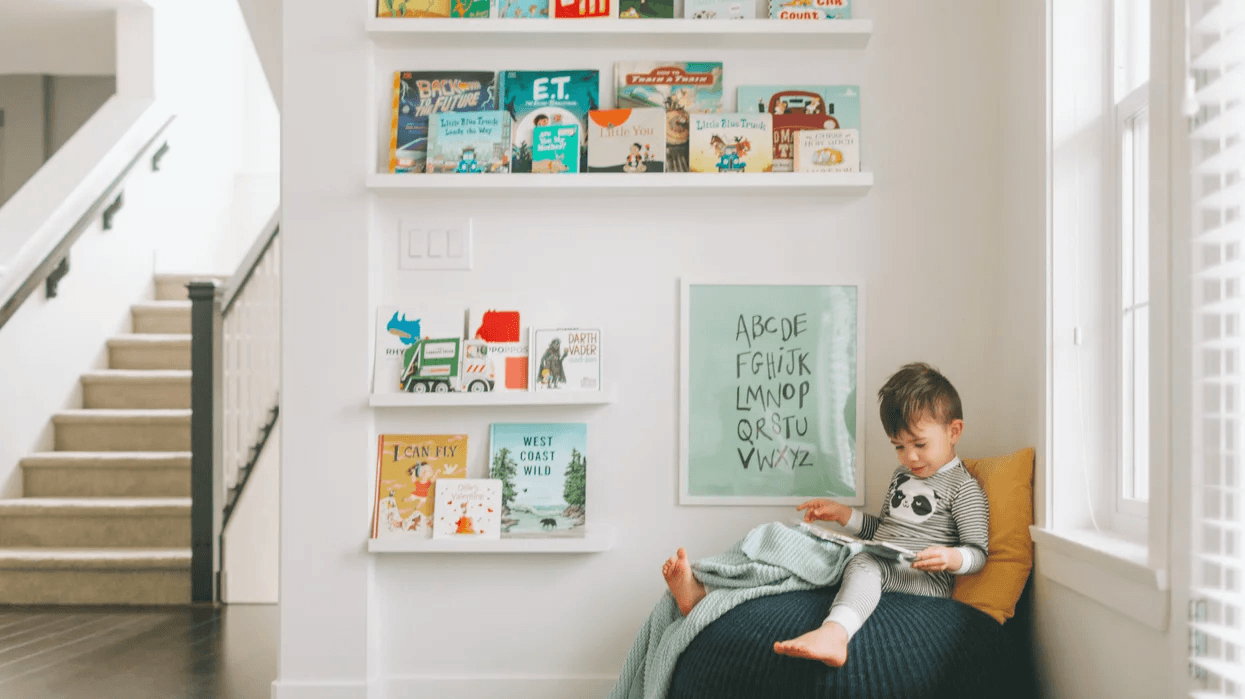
<point>149,351</point>
<point>167,317</point>
<point>74,474</point>
<point>136,388</point>
<point>95,523</point>
<point>122,430</point>
<point>94,576</point>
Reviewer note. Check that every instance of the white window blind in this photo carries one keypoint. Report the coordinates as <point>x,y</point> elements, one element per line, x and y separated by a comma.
<point>1216,103</point>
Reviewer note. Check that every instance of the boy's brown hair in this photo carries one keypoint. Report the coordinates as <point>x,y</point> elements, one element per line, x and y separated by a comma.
<point>913,392</point>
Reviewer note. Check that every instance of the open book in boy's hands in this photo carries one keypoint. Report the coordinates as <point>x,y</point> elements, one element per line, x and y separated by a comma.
<point>877,548</point>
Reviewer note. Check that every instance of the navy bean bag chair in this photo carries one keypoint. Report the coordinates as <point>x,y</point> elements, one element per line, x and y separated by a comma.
<point>912,647</point>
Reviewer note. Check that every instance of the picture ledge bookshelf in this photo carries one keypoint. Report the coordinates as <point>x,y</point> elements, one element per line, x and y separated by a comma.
<point>493,398</point>
<point>596,540</point>
<point>831,183</point>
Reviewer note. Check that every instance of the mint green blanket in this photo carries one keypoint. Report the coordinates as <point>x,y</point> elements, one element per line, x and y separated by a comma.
<point>771,559</point>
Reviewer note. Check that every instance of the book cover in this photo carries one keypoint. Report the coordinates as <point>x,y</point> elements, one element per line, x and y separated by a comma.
<point>469,8</point>
<point>546,98</point>
<point>398,332</point>
<point>646,9</point>
<point>520,9</point>
<point>468,142</point>
<point>447,364</point>
<point>566,359</point>
<point>420,94</point>
<point>578,9</point>
<point>827,151</point>
<point>408,467</point>
<point>627,140</point>
<point>681,88</point>
<point>412,8</point>
<point>732,143</point>
<point>543,470</point>
<point>507,337</point>
<point>885,549</point>
<point>810,9</point>
<point>800,107</point>
<point>719,9</point>
<point>467,508</point>
<point>555,149</point>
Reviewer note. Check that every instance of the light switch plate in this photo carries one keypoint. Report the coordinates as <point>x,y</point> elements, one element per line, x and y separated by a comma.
<point>434,243</point>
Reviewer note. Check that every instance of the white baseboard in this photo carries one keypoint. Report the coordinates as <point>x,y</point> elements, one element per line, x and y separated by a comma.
<point>499,687</point>
<point>319,690</point>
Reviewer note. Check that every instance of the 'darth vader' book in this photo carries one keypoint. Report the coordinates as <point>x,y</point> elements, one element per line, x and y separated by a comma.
<point>566,359</point>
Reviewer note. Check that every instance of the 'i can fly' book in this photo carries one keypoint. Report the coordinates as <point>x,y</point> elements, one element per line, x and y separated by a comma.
<point>681,88</point>
<point>546,98</point>
<point>731,143</point>
<point>627,140</point>
<point>543,470</point>
<point>418,95</point>
<point>408,467</point>
<point>469,142</point>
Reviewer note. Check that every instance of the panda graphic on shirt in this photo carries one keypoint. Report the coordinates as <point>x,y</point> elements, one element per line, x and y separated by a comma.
<point>912,500</point>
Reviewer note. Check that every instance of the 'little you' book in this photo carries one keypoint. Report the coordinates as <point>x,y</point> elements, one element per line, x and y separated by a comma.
<point>627,140</point>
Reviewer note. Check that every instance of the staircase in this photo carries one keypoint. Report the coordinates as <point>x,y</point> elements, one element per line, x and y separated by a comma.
<point>105,518</point>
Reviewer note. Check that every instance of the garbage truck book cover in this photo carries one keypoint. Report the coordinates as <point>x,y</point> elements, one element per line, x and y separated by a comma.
<point>543,470</point>
<point>408,467</point>
<point>399,332</point>
<point>418,95</point>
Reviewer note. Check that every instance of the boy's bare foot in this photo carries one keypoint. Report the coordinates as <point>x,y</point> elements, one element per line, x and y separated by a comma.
<point>686,589</point>
<point>827,643</point>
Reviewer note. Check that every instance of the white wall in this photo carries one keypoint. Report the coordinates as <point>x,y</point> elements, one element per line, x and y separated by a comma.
<point>927,241</point>
<point>251,540</point>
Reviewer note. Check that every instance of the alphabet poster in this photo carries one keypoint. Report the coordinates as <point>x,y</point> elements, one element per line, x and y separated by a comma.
<point>769,394</point>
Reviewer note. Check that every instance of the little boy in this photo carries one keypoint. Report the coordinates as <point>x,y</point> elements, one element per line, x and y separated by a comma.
<point>933,506</point>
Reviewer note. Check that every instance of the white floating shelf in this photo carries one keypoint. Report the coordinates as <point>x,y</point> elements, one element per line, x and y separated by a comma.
<point>834,183</point>
<point>829,34</point>
<point>597,539</point>
<point>492,398</point>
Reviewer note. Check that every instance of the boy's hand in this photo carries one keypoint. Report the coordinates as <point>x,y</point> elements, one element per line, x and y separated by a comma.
<point>937,558</point>
<point>826,510</point>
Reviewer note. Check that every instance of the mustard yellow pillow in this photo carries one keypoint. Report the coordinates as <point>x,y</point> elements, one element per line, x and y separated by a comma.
<point>1008,482</point>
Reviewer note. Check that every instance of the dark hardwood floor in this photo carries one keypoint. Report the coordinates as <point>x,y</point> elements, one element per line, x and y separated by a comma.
<point>228,652</point>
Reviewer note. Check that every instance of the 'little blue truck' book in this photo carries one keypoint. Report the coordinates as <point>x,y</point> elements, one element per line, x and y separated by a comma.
<point>547,98</point>
<point>469,142</point>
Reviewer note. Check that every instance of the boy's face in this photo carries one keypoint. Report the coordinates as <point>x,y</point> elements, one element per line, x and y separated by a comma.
<point>927,446</point>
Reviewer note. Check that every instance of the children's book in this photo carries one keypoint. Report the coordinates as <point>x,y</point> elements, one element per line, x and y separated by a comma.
<point>827,151</point>
<point>520,9</point>
<point>719,9</point>
<point>681,88</point>
<point>546,98</point>
<point>627,140</point>
<point>566,359</point>
<point>810,9</point>
<point>412,8</point>
<point>469,142</point>
<point>577,9</point>
<point>543,470</point>
<point>555,149</point>
<point>418,95</point>
<point>408,467</point>
<point>646,9</point>
<point>467,508</point>
<point>732,143</point>
<point>398,335</point>
<point>800,107</point>
<point>507,339</point>
<point>878,548</point>
<point>469,8</point>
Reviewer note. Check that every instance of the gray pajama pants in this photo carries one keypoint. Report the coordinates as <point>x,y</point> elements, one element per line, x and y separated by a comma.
<point>867,576</point>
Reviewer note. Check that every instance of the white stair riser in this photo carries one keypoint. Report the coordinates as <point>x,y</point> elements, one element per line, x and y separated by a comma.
<point>171,290</point>
<point>123,436</point>
<point>87,531</point>
<point>94,482</point>
<point>95,586</point>
<point>172,394</point>
<point>161,321</point>
<point>149,357</point>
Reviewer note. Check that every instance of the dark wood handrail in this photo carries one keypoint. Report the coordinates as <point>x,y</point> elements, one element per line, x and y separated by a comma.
<point>53,259</point>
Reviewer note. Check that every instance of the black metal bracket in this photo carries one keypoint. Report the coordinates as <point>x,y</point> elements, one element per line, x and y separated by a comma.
<point>155,158</point>
<point>111,211</point>
<point>55,276</point>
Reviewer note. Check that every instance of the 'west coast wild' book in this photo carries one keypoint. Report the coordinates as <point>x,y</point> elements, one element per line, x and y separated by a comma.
<point>543,470</point>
